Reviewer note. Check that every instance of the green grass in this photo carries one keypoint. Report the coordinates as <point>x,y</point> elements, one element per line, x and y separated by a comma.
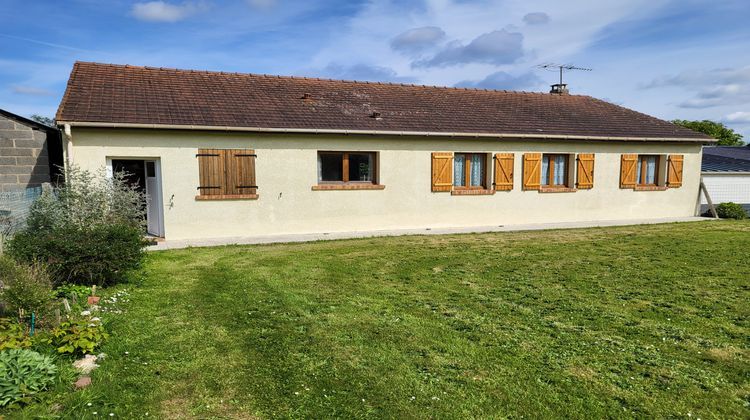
<point>650,321</point>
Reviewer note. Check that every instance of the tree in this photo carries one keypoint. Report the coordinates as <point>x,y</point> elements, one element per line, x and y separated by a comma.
<point>43,120</point>
<point>725,135</point>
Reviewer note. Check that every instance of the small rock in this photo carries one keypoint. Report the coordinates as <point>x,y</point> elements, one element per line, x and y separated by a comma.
<point>85,313</point>
<point>83,382</point>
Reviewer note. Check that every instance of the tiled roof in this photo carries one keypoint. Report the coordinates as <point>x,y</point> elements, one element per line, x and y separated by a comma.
<point>726,159</point>
<point>106,93</point>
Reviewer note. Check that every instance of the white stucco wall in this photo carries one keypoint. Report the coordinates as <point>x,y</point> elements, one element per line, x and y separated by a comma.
<point>727,187</point>
<point>287,169</point>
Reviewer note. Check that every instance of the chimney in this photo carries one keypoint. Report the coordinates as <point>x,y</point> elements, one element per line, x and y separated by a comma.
<point>559,89</point>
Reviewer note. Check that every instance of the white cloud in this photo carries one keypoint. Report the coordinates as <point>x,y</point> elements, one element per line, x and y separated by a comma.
<point>503,80</point>
<point>30,90</point>
<point>159,11</point>
<point>417,39</point>
<point>741,117</point>
<point>536,18</point>
<point>712,88</point>
<point>496,47</point>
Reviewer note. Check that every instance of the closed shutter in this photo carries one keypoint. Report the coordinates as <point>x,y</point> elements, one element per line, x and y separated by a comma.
<point>241,172</point>
<point>585,171</point>
<point>674,171</point>
<point>442,171</point>
<point>628,165</point>
<point>504,171</point>
<point>212,172</point>
<point>532,170</point>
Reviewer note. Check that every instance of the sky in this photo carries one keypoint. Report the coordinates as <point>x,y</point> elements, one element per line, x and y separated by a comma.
<point>686,59</point>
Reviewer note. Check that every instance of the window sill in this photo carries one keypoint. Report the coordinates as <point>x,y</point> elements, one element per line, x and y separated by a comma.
<point>335,187</point>
<point>226,197</point>
<point>557,190</point>
<point>650,188</point>
<point>473,192</point>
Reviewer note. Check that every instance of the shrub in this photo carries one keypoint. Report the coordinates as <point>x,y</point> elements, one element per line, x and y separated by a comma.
<point>23,373</point>
<point>731,211</point>
<point>68,290</point>
<point>90,231</point>
<point>13,335</point>
<point>26,288</point>
<point>78,337</point>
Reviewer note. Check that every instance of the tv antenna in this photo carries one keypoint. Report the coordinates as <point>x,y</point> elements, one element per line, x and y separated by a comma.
<point>561,67</point>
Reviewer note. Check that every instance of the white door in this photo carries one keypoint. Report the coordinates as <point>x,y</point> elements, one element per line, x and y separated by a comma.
<point>153,199</point>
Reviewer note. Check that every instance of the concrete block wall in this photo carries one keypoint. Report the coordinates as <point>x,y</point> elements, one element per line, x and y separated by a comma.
<point>24,158</point>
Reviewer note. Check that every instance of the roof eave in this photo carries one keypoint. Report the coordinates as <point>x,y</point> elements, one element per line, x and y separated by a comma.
<point>380,132</point>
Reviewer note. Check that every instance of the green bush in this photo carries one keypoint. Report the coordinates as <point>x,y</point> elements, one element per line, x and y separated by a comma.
<point>13,335</point>
<point>731,211</point>
<point>78,337</point>
<point>23,373</point>
<point>26,288</point>
<point>98,255</point>
<point>68,290</point>
<point>89,232</point>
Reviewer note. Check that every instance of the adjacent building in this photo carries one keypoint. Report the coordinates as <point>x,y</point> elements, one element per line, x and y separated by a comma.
<point>726,174</point>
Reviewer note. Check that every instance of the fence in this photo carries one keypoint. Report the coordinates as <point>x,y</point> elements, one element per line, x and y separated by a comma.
<point>14,209</point>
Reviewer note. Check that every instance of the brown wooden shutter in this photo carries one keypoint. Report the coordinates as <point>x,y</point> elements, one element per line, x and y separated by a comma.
<point>241,172</point>
<point>212,172</point>
<point>532,170</point>
<point>585,171</point>
<point>442,171</point>
<point>504,171</point>
<point>674,171</point>
<point>628,165</point>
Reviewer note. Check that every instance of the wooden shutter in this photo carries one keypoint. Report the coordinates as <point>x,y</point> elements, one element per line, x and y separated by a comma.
<point>532,170</point>
<point>442,171</point>
<point>241,172</point>
<point>212,172</point>
<point>585,171</point>
<point>674,171</point>
<point>628,165</point>
<point>504,171</point>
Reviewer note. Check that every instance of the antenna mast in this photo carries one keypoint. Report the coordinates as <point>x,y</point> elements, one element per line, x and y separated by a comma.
<point>560,88</point>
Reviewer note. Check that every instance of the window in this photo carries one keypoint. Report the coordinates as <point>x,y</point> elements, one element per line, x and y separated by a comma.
<point>554,170</point>
<point>347,170</point>
<point>469,170</point>
<point>647,171</point>
<point>226,174</point>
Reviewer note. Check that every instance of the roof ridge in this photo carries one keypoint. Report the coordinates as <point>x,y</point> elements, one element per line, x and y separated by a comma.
<point>325,79</point>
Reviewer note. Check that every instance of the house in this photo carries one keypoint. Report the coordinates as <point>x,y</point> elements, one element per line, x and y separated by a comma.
<point>30,152</point>
<point>726,174</point>
<point>229,154</point>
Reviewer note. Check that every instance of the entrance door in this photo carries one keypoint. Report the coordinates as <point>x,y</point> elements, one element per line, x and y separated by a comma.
<point>153,199</point>
<point>145,175</point>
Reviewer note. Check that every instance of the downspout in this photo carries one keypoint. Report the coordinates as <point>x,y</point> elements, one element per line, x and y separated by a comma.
<point>68,148</point>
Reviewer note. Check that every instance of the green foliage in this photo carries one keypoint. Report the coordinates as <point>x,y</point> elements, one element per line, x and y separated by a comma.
<point>23,373</point>
<point>26,288</point>
<point>43,120</point>
<point>89,232</point>
<point>13,335</point>
<point>78,337</point>
<point>68,290</point>
<point>725,135</point>
<point>731,211</point>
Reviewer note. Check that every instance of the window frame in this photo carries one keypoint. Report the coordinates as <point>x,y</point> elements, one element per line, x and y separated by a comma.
<point>644,170</point>
<point>467,171</point>
<point>551,159</point>
<point>346,183</point>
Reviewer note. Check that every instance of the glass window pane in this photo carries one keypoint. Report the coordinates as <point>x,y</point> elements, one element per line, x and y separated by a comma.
<point>477,170</point>
<point>459,162</point>
<point>360,167</point>
<point>560,166</point>
<point>330,167</point>
<point>639,178</point>
<point>650,169</point>
<point>545,170</point>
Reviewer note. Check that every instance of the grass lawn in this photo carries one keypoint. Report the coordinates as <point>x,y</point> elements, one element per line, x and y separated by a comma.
<point>650,321</point>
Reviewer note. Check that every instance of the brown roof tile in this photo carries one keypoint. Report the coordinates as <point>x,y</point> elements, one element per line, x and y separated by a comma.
<point>108,93</point>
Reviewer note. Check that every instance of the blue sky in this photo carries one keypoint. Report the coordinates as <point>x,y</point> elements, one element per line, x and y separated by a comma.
<point>669,58</point>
